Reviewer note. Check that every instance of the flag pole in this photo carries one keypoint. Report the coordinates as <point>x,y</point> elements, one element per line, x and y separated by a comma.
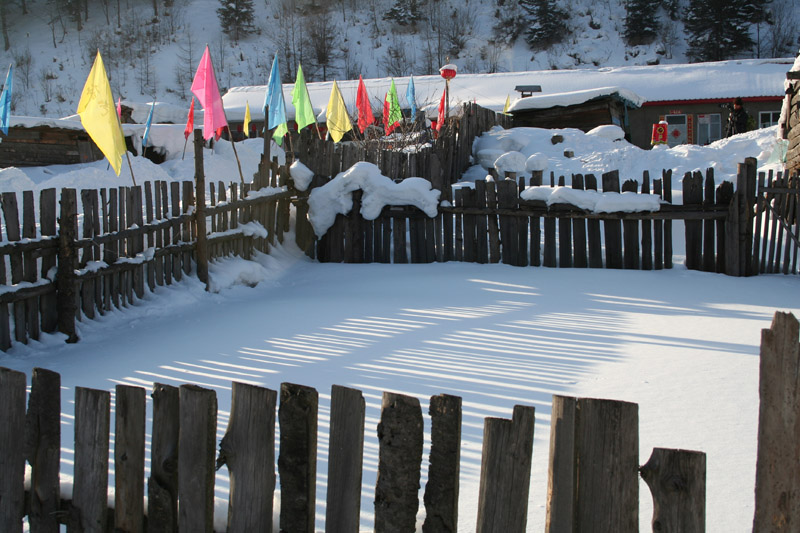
<point>233,145</point>
<point>185,142</point>
<point>128,156</point>
<point>316,125</point>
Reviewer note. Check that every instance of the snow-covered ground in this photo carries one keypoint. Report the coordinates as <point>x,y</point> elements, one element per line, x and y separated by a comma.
<point>682,344</point>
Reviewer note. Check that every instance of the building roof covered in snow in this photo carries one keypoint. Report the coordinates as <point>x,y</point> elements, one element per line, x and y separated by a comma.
<point>715,80</point>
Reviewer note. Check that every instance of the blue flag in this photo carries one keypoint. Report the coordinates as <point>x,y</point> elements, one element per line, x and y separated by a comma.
<point>147,127</point>
<point>5,101</point>
<point>411,98</point>
<point>277,106</point>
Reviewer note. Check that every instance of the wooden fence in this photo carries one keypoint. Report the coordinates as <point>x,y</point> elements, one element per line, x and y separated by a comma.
<point>491,223</point>
<point>777,230</point>
<point>441,161</point>
<point>132,238</point>
<point>594,460</point>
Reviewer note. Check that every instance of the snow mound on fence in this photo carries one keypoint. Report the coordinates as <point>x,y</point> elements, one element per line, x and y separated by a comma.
<point>594,201</point>
<point>336,196</point>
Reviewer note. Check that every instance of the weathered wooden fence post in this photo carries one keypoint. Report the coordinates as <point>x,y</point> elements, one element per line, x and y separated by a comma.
<point>89,509</point>
<point>201,250</point>
<point>506,472</point>
<point>162,486</point>
<point>677,481</point>
<point>693,196</point>
<point>129,429</point>
<point>441,490</point>
<point>43,446</point>
<point>67,263</point>
<point>297,462</point>
<point>588,487</point>
<point>197,445</point>
<point>248,450</point>
<point>12,450</point>
<point>399,459</point>
<point>345,460</point>
<point>777,506</point>
<point>612,229</point>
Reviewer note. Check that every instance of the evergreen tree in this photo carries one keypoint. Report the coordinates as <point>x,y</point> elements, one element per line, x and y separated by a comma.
<point>641,21</point>
<point>547,23</point>
<point>718,29</point>
<point>236,18</point>
<point>404,12</point>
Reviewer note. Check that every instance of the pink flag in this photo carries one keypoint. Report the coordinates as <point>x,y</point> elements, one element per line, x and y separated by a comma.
<point>119,107</point>
<point>440,120</point>
<point>189,122</point>
<point>365,116</point>
<point>206,90</point>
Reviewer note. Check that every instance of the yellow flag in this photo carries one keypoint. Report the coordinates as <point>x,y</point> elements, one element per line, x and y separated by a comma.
<point>338,120</point>
<point>247,119</point>
<point>99,115</point>
<point>508,104</point>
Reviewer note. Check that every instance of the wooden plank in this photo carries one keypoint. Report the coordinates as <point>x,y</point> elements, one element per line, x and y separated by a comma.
<point>724,195</point>
<point>175,192</point>
<point>693,196</point>
<point>506,472</point>
<point>561,472</point>
<point>12,450</point>
<point>658,231</point>
<point>647,233</point>
<point>197,448</point>
<point>448,242</point>
<point>677,481</point>
<point>43,449</point>
<point>607,494</point>
<point>481,224</point>
<point>594,461</point>
<point>297,462</point>
<point>399,237</point>
<point>441,490</point>
<point>630,232</point>
<point>612,229</point>
<point>8,200</point>
<point>709,247</point>
<point>493,224</point>
<point>400,441</point>
<point>469,226</point>
<point>67,261</point>
<point>90,489</point>
<point>458,235</point>
<point>162,485</point>
<point>150,266</point>
<point>129,429</point>
<point>593,230</point>
<point>777,491</point>
<point>430,239</point>
<point>522,229</point>
<point>189,229</point>
<point>248,450</point>
<point>666,183</point>
<point>507,198</point>
<point>581,259</point>
<point>345,460</point>
<point>30,271</point>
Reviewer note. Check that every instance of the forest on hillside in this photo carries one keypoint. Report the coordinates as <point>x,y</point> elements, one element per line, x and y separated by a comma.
<point>151,47</point>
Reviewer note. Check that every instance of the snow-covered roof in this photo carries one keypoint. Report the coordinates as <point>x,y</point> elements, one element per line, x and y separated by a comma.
<point>546,101</point>
<point>723,79</point>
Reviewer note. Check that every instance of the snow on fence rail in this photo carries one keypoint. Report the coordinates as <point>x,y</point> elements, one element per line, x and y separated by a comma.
<point>592,475</point>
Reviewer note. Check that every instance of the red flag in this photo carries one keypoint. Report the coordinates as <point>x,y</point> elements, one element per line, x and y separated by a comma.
<point>441,118</point>
<point>365,116</point>
<point>119,107</point>
<point>189,122</point>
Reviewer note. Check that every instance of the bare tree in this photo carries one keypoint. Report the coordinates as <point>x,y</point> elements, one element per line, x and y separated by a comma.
<point>324,49</point>
<point>396,61</point>
<point>3,16</point>
<point>780,41</point>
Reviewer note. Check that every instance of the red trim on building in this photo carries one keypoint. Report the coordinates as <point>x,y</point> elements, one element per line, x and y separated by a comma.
<point>713,100</point>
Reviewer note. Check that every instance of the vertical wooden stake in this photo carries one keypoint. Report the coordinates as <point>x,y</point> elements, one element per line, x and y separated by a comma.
<point>67,263</point>
<point>197,444</point>
<point>12,450</point>
<point>200,214</point>
<point>90,492</point>
<point>162,487</point>
<point>677,480</point>
<point>777,467</point>
<point>129,428</point>
<point>441,491</point>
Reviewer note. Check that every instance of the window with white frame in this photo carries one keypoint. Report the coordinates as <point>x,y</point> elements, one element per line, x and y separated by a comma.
<point>709,128</point>
<point>768,118</point>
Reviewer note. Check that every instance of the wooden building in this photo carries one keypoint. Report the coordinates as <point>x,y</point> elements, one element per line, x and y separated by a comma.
<point>39,142</point>
<point>584,110</point>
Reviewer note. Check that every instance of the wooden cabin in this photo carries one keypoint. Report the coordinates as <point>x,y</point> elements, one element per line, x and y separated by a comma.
<point>47,143</point>
<point>791,121</point>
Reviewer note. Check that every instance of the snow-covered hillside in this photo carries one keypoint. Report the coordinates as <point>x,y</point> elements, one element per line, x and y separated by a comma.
<point>151,48</point>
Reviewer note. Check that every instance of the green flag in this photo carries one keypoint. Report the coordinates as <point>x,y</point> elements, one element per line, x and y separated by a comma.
<point>303,112</point>
<point>391,110</point>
